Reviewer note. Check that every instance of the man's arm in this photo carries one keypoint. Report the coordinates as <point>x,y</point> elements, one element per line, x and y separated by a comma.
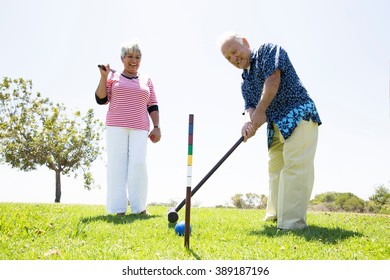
<point>271,86</point>
<point>258,115</point>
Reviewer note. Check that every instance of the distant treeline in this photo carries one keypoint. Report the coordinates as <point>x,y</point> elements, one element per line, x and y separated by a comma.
<point>378,203</point>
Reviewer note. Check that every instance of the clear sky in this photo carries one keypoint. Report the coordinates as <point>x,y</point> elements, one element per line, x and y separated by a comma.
<point>340,49</point>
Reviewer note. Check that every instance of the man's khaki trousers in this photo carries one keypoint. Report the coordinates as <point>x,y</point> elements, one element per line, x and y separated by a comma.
<point>291,175</point>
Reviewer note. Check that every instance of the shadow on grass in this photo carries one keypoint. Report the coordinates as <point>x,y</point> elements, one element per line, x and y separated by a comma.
<point>312,233</point>
<point>195,255</point>
<point>119,220</point>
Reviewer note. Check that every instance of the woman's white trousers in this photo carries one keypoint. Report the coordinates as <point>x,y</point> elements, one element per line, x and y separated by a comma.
<point>127,179</point>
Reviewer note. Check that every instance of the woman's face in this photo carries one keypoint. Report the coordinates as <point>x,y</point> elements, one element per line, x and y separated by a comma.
<point>131,62</point>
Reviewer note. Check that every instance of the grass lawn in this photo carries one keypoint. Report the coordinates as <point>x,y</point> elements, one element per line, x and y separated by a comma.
<point>86,232</point>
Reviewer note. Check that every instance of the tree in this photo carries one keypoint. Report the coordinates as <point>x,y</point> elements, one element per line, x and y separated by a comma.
<point>263,201</point>
<point>238,201</point>
<point>379,202</point>
<point>251,201</point>
<point>381,195</point>
<point>35,132</point>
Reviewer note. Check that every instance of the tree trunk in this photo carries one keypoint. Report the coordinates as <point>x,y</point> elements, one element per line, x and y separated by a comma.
<point>58,186</point>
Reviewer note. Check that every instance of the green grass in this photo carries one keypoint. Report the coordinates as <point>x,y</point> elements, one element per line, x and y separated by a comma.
<point>85,232</point>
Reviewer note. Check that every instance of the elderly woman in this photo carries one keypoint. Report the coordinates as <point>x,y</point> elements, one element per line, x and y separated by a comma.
<point>273,93</point>
<point>132,101</point>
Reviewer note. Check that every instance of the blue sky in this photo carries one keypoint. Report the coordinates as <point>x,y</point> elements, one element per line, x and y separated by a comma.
<point>340,49</point>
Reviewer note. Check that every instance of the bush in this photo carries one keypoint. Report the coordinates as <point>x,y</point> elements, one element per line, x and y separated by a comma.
<point>332,201</point>
<point>380,201</point>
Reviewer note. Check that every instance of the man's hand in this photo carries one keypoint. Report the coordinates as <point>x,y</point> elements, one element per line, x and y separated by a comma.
<point>249,128</point>
<point>248,131</point>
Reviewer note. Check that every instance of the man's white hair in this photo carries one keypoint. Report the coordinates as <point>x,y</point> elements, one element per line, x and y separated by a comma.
<point>227,36</point>
<point>129,48</point>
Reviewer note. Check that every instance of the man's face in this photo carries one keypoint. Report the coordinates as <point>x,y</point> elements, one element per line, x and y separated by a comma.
<point>237,53</point>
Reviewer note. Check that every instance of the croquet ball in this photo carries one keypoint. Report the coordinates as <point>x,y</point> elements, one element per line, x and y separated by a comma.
<point>180,228</point>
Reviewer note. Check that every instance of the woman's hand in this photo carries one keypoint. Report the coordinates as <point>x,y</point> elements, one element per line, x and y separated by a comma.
<point>155,135</point>
<point>104,70</point>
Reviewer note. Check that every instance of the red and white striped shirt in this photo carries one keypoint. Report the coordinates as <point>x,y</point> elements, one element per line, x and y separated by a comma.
<point>129,101</point>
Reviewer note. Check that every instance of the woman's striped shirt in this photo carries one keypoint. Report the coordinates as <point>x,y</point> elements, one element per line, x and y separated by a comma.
<point>129,99</point>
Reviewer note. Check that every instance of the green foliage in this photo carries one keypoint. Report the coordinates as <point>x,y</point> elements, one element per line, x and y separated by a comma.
<point>349,202</point>
<point>333,201</point>
<point>238,201</point>
<point>379,202</point>
<point>381,195</point>
<point>86,232</point>
<point>251,201</point>
<point>19,130</point>
<point>35,132</point>
<point>328,197</point>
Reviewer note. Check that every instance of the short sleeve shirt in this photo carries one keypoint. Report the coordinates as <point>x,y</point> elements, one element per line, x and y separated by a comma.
<point>129,99</point>
<point>292,103</point>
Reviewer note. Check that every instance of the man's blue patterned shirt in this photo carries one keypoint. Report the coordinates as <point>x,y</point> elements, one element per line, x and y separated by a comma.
<point>292,103</point>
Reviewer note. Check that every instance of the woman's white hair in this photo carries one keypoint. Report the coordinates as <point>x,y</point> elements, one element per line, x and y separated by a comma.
<point>129,48</point>
<point>227,36</point>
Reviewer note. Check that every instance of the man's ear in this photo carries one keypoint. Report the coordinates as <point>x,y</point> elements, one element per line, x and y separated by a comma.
<point>245,41</point>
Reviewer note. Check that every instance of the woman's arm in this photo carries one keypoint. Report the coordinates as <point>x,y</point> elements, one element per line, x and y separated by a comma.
<point>101,89</point>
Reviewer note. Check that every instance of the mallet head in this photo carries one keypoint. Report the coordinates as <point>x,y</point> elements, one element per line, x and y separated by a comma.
<point>173,216</point>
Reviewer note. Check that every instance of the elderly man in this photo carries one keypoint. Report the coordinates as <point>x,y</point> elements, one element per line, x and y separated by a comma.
<point>273,93</point>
